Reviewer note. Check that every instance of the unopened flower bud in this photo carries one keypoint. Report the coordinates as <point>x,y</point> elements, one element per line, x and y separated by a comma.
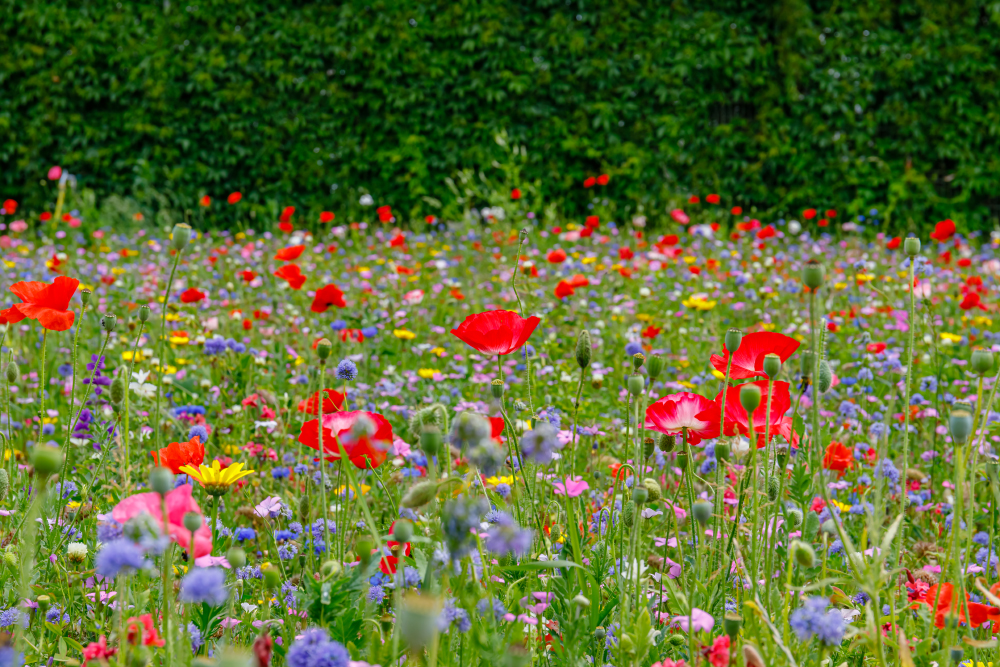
<point>12,372</point>
<point>702,511</point>
<point>733,339</point>
<point>236,557</point>
<point>653,488</point>
<point>4,484</point>
<point>47,460</point>
<point>272,577</point>
<point>640,495</point>
<point>813,274</point>
<point>636,383</point>
<point>794,516</point>
<point>580,601</point>
<point>330,568</point>
<point>667,442</point>
<point>192,521</point>
<point>496,387</point>
<point>402,531</point>
<point>180,237</point>
<point>419,495</point>
<point>109,323</point>
<point>584,349</point>
<point>808,363</point>
<point>654,366</point>
<point>772,488</point>
<point>825,376</point>
<point>750,397</point>
<point>638,359</point>
<point>324,348</point>
<point>628,513</point>
<point>911,246</point>
<point>772,365</point>
<point>960,422</point>
<point>430,440</point>
<point>118,389</point>
<point>161,480</point>
<point>143,313</point>
<point>982,362</point>
<point>803,553</point>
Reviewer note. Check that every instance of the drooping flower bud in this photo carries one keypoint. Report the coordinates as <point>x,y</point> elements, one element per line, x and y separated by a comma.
<point>702,511</point>
<point>803,553</point>
<point>813,274</point>
<point>653,488</point>
<point>272,577</point>
<point>12,372</point>
<point>628,513</point>
<point>654,366</point>
<point>772,488</point>
<point>640,495</point>
<point>4,484</point>
<point>47,460</point>
<point>750,397</point>
<point>118,389</point>
<point>794,516</point>
<point>960,422</point>
<point>911,246</point>
<point>402,531</point>
<point>733,339</point>
<point>180,236</point>
<point>982,362</point>
<point>430,440</point>
<point>825,376</point>
<point>584,349</point>
<point>236,557</point>
<point>419,494</point>
<point>772,365</point>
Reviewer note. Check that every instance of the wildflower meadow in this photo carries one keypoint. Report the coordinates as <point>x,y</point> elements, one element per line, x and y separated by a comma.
<point>506,439</point>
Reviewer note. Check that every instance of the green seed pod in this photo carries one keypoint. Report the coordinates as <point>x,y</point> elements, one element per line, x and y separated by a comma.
<point>731,623</point>
<point>324,348</point>
<point>772,365</point>
<point>109,323</point>
<point>47,460</point>
<point>772,488</point>
<point>640,495</point>
<point>430,440</point>
<point>363,549</point>
<point>118,389</point>
<point>825,376</point>
<point>10,558</point>
<point>808,362</point>
<point>702,511</point>
<point>496,388</point>
<point>236,557</point>
<point>12,372</point>
<point>667,442</point>
<point>911,246</point>
<point>803,553</point>
<point>584,349</point>
<point>418,620</point>
<point>654,366</point>
<point>192,521</point>
<point>982,362</point>
<point>653,489</point>
<point>44,602</point>
<point>682,461</point>
<point>781,457</point>
<point>733,339</point>
<point>161,480</point>
<point>829,527</point>
<point>419,495</point>
<point>722,451</point>
<point>402,531</point>
<point>600,633</point>
<point>180,237</point>
<point>638,359</point>
<point>628,513</point>
<point>648,445</point>
<point>955,654</point>
<point>750,397</point>
<point>144,313</point>
<point>272,578</point>
<point>960,422</point>
<point>4,484</point>
<point>813,274</point>
<point>85,296</point>
<point>636,383</point>
<point>811,524</point>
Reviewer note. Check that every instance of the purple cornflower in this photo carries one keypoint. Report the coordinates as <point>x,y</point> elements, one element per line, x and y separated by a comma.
<point>346,370</point>
<point>813,618</point>
<point>316,649</point>
<point>205,584</point>
<point>453,615</point>
<point>506,537</point>
<point>540,443</point>
<point>117,556</point>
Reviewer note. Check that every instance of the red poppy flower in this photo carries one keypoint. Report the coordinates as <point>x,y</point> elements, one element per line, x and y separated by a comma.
<point>671,414</point>
<point>290,253</point>
<point>326,216</point>
<point>586,233</point>
<point>563,290</point>
<point>735,420</point>
<point>696,270</point>
<point>45,217</point>
<point>625,253</point>
<point>192,295</point>
<point>398,240</point>
<point>965,262</point>
<point>234,197</point>
<point>693,199</point>
<point>589,182</point>
<point>971,300</point>
<point>47,303</point>
<point>767,233</point>
<point>351,336</point>
<point>578,280</point>
<point>10,206</point>
<point>875,348</point>
<point>141,629</point>
<point>388,563</point>
<point>593,222</point>
<point>651,331</point>
<point>737,210</point>
<point>894,243</point>
<point>670,240</point>
<point>286,227</point>
<point>496,428</point>
<point>712,199</point>
<point>384,213</point>
<point>332,401</point>
<point>809,213</point>
<point>287,213</point>
<point>943,231</point>
<point>748,361</point>
<point>364,436</point>
<point>457,294</point>
<point>292,274</point>
<point>177,454</point>
<point>831,213</point>
<point>557,256</point>
<point>98,650</point>
<point>946,600</point>
<point>838,458</point>
<point>329,295</point>
<point>823,222</point>
<point>496,331</point>
<point>248,275</point>
<point>515,194</point>
<point>205,201</point>
<point>430,219</point>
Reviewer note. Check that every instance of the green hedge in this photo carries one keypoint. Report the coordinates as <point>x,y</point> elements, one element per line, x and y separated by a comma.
<point>850,104</point>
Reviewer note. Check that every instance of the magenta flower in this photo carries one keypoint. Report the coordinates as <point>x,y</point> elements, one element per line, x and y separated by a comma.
<point>572,487</point>
<point>699,620</point>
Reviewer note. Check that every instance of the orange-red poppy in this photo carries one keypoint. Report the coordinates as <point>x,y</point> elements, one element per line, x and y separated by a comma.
<point>289,254</point>
<point>192,295</point>
<point>178,454</point>
<point>292,274</point>
<point>45,302</point>
<point>326,296</point>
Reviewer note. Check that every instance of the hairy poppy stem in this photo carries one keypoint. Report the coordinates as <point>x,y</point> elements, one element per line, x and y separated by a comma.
<point>163,339</point>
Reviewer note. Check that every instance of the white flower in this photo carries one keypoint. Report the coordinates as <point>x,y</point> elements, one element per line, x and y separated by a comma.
<point>142,388</point>
<point>77,552</point>
<point>366,200</point>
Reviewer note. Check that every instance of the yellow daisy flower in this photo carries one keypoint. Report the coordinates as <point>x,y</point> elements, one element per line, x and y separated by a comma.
<point>216,480</point>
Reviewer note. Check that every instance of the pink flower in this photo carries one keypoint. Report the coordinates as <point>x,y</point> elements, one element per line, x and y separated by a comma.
<point>268,507</point>
<point>680,216</point>
<point>18,226</point>
<point>699,620</point>
<point>400,447</point>
<point>667,662</point>
<point>718,655</point>
<point>572,487</point>
<point>55,173</point>
<point>179,503</point>
<point>672,413</point>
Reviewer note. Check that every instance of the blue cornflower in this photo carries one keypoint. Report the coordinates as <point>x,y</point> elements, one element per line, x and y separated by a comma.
<point>506,537</point>
<point>196,639</point>
<point>242,534</point>
<point>200,431</point>
<point>486,605</point>
<point>369,332</point>
<point>12,616</point>
<point>346,370</point>
<point>540,443</point>
<point>813,618</point>
<point>316,649</point>
<point>205,584</point>
<point>453,615</point>
<point>287,551</point>
<point>280,473</point>
<point>376,594</point>
<point>117,556</point>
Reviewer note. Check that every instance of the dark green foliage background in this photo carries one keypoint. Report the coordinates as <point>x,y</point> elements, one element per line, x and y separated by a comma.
<point>849,104</point>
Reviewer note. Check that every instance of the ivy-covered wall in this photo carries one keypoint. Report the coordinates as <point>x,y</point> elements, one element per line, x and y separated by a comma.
<point>777,104</point>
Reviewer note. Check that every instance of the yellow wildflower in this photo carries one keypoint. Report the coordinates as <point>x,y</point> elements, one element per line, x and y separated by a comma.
<point>950,337</point>
<point>215,479</point>
<point>404,334</point>
<point>699,302</point>
<point>427,373</point>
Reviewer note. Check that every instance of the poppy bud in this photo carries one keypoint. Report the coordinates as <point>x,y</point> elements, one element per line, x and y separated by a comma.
<point>811,524</point>
<point>750,397</point>
<point>772,365</point>
<point>702,511</point>
<point>628,513</point>
<point>192,521</point>
<point>402,531</point>
<point>109,323</point>
<point>667,442</point>
<point>654,366</point>
<point>600,633</point>
<point>794,516</point>
<point>825,376</point>
<point>640,495</point>
<point>636,383</point>
<point>722,451</point>
<point>418,620</point>
<point>733,339</point>
<point>731,623</point>
<point>304,508</point>
<point>323,349</point>
<point>813,274</point>
<point>13,372</point>
<point>47,460</point>
<point>430,440</point>
<point>523,236</point>
<point>829,527</point>
<point>955,654</point>
<point>85,296</point>
<point>496,388</point>
<point>584,349</point>
<point>236,557</point>
<point>911,246</point>
<point>555,532</point>
<point>330,568</point>
<point>781,456</point>
<point>180,237</point>
<point>519,405</point>
<point>143,313</point>
<point>682,461</point>
<point>580,601</point>
<point>803,553</point>
<point>161,480</point>
<point>118,389</point>
<point>772,488</point>
<point>272,577</point>
<point>648,446</point>
<point>44,602</point>
<point>638,359</point>
<point>960,422</point>
<point>4,484</point>
<point>808,362</point>
<point>676,639</point>
<point>982,362</point>
<point>419,495</point>
<point>653,488</point>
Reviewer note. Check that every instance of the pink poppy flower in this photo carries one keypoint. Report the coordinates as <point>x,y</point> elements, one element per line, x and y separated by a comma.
<point>179,503</point>
<point>671,414</point>
<point>572,487</point>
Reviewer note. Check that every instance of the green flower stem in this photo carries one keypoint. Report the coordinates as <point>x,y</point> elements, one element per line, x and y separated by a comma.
<point>717,521</point>
<point>162,348</point>
<point>901,537</point>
